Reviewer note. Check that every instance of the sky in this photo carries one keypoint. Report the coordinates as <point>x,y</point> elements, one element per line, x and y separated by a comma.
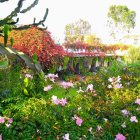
<point>62,12</point>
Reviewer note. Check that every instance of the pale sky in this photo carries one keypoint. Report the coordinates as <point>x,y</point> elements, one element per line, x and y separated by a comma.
<point>62,12</point>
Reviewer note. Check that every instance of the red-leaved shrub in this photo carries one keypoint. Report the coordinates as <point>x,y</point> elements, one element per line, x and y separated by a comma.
<point>37,41</point>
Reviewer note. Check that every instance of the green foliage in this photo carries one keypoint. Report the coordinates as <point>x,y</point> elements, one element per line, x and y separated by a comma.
<point>4,62</point>
<point>122,18</point>
<point>11,42</point>
<point>35,116</point>
<point>133,55</point>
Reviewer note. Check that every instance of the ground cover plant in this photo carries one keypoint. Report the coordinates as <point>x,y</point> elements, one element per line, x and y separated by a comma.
<point>101,106</point>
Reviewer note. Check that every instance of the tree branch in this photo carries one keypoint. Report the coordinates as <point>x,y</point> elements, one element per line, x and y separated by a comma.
<point>3,0</point>
<point>30,7</point>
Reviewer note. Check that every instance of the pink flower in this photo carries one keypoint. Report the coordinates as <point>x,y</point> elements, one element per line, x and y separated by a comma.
<point>47,88</point>
<point>120,137</point>
<point>29,76</point>
<point>66,84</point>
<point>125,112</point>
<point>56,101</point>
<point>1,137</point>
<point>10,120</point>
<point>133,119</point>
<point>79,121</point>
<point>137,101</point>
<point>2,119</point>
<point>63,102</point>
<point>118,85</point>
<point>51,76</point>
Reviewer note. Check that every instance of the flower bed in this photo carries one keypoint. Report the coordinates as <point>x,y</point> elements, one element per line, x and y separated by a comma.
<point>104,105</point>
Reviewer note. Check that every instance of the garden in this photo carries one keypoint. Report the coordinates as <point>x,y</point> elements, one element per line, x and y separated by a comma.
<point>73,91</point>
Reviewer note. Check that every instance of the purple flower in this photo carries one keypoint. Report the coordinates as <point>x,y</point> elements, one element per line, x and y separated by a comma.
<point>133,119</point>
<point>137,101</point>
<point>47,88</point>
<point>125,112</point>
<point>2,119</point>
<point>29,76</point>
<point>120,137</point>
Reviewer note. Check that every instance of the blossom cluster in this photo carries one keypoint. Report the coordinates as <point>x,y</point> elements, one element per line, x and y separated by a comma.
<point>115,82</point>
<point>66,85</point>
<point>7,121</point>
<point>57,101</point>
<point>51,77</point>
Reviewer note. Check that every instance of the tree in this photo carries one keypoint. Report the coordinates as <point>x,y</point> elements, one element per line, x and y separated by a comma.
<point>17,10</point>
<point>120,19</point>
<point>92,40</point>
<point>76,31</point>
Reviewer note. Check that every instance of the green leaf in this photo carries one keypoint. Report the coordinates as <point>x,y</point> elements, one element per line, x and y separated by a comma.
<point>26,82</point>
<point>25,91</point>
<point>34,58</point>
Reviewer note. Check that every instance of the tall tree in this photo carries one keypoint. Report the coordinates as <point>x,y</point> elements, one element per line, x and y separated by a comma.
<point>120,19</point>
<point>77,30</point>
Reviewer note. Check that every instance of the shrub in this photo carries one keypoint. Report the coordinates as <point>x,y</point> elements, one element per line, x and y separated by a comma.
<point>37,41</point>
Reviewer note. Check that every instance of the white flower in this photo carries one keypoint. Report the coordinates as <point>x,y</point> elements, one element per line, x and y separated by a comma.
<point>90,87</point>
<point>111,79</point>
<point>99,128</point>
<point>109,86</point>
<point>123,125</point>
<point>90,129</point>
<point>54,98</point>
<point>80,90</point>
<point>66,136</point>
<point>105,119</point>
<point>133,119</point>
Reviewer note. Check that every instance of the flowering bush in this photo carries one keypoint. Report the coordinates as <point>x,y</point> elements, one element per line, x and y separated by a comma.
<point>69,111</point>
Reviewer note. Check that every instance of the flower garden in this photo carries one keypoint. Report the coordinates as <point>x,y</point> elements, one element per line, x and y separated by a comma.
<point>69,91</point>
<point>46,105</point>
